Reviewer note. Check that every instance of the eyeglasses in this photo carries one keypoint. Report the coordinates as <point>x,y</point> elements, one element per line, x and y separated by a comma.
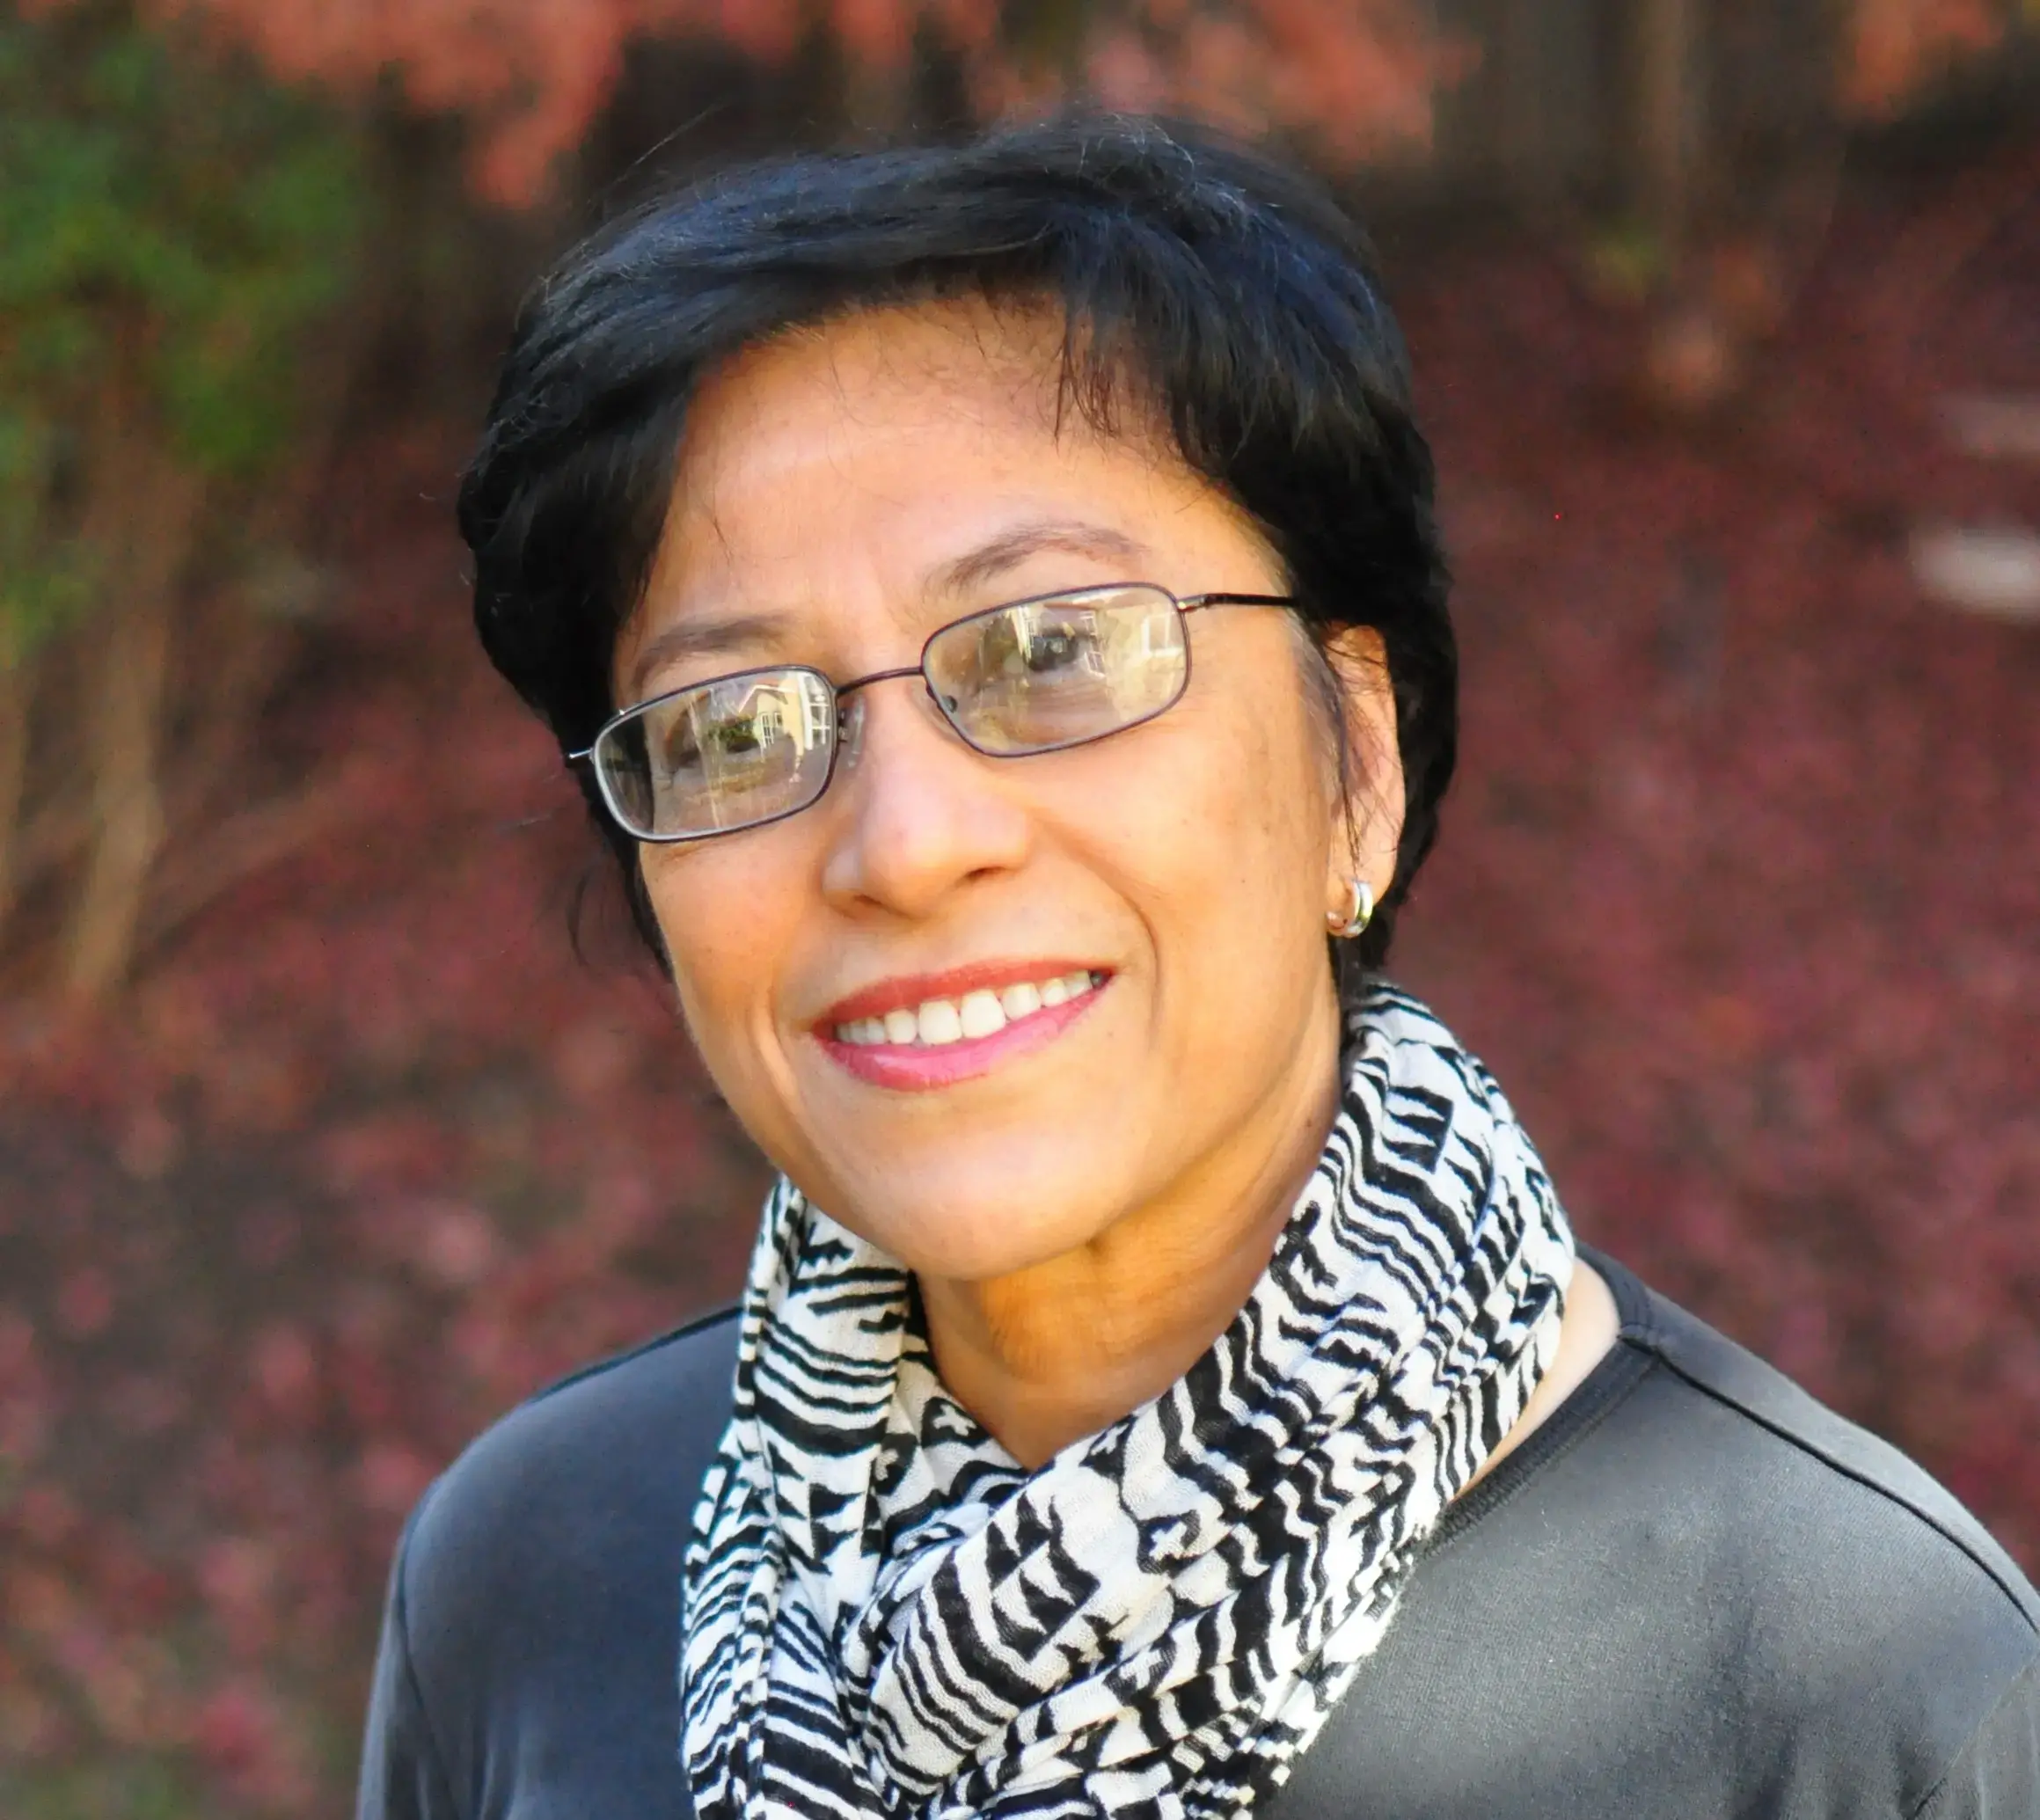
<point>1034,676</point>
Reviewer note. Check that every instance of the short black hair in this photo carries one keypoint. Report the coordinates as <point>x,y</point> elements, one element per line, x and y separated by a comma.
<point>1233,291</point>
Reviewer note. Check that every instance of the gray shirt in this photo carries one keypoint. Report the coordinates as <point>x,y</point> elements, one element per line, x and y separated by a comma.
<point>1692,1592</point>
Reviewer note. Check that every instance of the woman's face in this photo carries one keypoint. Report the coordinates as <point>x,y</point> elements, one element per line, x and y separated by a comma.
<point>843,493</point>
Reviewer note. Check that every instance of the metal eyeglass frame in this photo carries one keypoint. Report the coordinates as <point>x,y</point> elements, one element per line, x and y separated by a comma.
<point>838,691</point>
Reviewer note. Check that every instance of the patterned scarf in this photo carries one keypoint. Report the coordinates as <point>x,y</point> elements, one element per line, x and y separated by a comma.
<point>885,1615</point>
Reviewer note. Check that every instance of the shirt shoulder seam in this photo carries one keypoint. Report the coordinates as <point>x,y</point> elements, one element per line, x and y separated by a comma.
<point>1649,1336</point>
<point>1982,1725</point>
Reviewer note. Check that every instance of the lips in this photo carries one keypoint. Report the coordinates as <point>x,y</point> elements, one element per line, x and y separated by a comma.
<point>935,1029</point>
<point>935,1021</point>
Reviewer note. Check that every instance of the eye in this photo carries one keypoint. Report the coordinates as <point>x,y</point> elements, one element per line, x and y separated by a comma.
<point>736,739</point>
<point>1056,647</point>
<point>682,746</point>
<point>697,741</point>
<point>1060,649</point>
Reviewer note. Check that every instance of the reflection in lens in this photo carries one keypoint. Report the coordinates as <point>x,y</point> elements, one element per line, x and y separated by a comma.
<point>731,753</point>
<point>1060,671</point>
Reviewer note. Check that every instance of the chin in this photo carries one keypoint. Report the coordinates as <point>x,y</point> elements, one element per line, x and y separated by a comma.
<point>971,1239</point>
<point>944,1205</point>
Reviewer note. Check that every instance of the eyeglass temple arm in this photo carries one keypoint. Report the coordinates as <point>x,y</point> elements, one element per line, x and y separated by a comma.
<point>1190,603</point>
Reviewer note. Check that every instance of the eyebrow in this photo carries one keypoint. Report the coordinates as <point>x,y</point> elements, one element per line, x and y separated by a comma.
<point>1007,551</point>
<point>961,575</point>
<point>702,638</point>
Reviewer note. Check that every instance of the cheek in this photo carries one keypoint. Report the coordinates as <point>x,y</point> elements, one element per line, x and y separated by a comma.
<point>729,920</point>
<point>1253,794</point>
<point>1222,836</point>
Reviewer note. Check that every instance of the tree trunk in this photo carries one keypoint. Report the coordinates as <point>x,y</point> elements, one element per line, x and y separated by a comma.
<point>1668,124</point>
<point>128,687</point>
<point>16,694</point>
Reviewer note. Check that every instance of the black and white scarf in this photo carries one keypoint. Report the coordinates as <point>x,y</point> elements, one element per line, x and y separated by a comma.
<point>887,1616</point>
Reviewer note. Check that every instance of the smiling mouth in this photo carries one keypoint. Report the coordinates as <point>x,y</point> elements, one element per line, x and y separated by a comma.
<point>935,1023</point>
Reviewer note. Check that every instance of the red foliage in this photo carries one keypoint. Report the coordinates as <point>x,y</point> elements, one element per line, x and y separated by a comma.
<point>1737,894</point>
<point>531,75</point>
<point>1895,47</point>
<point>1359,75</point>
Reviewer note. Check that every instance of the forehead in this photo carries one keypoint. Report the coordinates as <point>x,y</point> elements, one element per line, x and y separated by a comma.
<point>841,488</point>
<point>899,427</point>
<point>874,373</point>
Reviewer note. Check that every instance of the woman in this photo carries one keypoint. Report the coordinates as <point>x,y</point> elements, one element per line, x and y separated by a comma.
<point>991,598</point>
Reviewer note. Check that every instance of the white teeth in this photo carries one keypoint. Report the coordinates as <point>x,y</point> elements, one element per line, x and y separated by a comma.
<point>1061,991</point>
<point>980,1014</point>
<point>1020,1001</point>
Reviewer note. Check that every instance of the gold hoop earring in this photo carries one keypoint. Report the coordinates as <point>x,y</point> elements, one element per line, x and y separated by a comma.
<point>1360,916</point>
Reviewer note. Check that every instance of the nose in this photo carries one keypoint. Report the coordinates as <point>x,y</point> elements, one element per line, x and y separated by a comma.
<point>919,814</point>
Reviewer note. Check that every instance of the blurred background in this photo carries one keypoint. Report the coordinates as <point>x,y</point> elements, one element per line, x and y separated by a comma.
<point>321,1145</point>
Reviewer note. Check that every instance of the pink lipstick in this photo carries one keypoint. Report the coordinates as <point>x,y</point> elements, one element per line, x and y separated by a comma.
<point>917,1033</point>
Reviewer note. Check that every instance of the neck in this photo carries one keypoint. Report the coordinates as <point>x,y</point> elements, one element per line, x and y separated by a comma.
<point>1045,1355</point>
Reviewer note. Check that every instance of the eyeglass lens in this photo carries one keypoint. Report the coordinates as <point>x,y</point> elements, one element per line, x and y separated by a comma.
<point>1058,671</point>
<point>728,753</point>
<point>1029,677</point>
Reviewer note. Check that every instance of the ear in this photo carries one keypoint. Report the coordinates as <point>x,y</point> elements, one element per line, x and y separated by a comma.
<point>1366,832</point>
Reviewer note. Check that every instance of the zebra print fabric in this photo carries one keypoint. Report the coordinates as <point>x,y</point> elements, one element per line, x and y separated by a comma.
<point>885,1615</point>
